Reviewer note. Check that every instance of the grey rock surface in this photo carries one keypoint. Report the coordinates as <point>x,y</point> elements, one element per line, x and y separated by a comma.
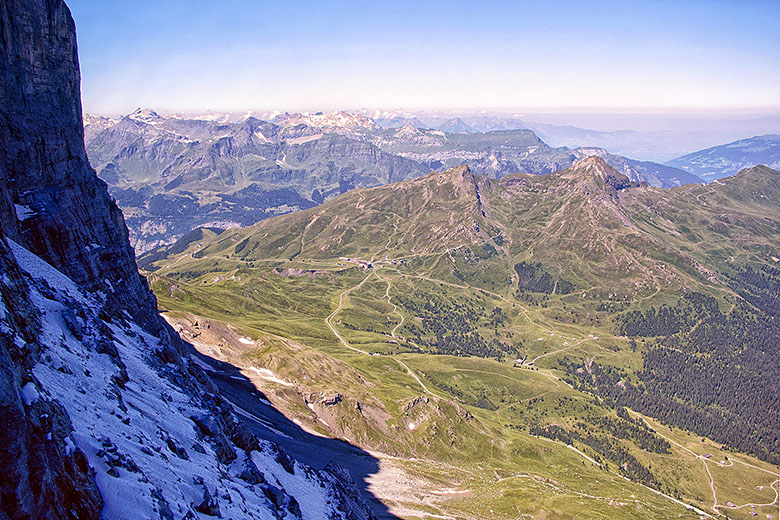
<point>51,201</point>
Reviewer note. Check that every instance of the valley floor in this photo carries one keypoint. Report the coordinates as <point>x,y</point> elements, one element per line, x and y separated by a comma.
<point>421,487</point>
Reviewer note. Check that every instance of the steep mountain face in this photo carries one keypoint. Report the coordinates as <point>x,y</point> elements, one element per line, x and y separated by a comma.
<point>727,159</point>
<point>654,174</point>
<point>78,229</point>
<point>104,413</point>
<point>585,221</point>
<point>423,214</point>
<point>171,175</point>
<point>503,152</point>
<point>494,154</point>
<point>41,477</point>
<point>455,126</point>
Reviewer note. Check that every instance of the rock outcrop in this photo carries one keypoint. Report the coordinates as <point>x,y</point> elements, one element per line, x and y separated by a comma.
<point>52,201</point>
<point>102,411</point>
<point>41,479</point>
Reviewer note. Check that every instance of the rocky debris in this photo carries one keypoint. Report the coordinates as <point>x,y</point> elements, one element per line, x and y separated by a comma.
<point>284,460</point>
<point>163,508</point>
<point>350,499</point>
<point>251,474</point>
<point>175,448</point>
<point>462,412</point>
<point>41,478</point>
<point>283,503</point>
<point>415,402</point>
<point>209,506</point>
<point>212,429</point>
<point>114,459</point>
<point>324,398</point>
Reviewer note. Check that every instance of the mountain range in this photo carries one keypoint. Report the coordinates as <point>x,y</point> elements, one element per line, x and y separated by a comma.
<point>171,175</point>
<point>727,159</point>
<point>106,413</point>
<point>414,330</point>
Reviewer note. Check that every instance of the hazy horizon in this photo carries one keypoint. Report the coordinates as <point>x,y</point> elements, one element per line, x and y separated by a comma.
<point>673,57</point>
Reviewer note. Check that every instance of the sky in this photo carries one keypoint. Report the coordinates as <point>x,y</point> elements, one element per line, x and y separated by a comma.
<point>233,55</point>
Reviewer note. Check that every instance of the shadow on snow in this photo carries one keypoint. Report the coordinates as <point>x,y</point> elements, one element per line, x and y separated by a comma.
<point>312,450</point>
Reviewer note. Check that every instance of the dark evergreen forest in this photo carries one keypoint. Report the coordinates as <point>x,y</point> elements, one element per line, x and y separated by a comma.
<point>711,372</point>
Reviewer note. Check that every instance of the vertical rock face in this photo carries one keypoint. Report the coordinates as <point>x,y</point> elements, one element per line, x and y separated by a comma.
<point>51,201</point>
<point>102,412</point>
<point>40,149</point>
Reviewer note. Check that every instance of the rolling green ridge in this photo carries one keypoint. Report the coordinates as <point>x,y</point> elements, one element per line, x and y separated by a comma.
<point>510,333</point>
<point>171,174</point>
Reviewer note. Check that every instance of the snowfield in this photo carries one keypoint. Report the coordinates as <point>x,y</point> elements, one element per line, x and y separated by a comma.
<point>148,438</point>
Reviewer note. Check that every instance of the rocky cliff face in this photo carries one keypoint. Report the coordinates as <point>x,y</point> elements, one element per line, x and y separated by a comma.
<point>33,435</point>
<point>102,411</point>
<point>52,202</point>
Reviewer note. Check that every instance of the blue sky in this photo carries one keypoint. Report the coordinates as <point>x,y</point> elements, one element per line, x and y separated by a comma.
<point>192,55</point>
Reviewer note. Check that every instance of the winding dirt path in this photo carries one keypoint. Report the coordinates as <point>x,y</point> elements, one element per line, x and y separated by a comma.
<point>715,505</point>
<point>409,370</point>
<point>580,342</point>
<point>329,319</point>
<point>344,293</point>
<point>374,272</point>
<point>395,307</point>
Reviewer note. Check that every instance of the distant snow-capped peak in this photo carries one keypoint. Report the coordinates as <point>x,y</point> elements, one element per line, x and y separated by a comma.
<point>146,115</point>
<point>329,122</point>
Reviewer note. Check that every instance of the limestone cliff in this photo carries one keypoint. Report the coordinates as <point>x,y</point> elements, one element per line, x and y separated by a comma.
<point>51,201</point>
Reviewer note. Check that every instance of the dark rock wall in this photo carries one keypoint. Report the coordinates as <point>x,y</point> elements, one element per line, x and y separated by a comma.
<point>53,204</point>
<point>73,223</point>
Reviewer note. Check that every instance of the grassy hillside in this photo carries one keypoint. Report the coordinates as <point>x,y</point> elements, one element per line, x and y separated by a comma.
<point>469,326</point>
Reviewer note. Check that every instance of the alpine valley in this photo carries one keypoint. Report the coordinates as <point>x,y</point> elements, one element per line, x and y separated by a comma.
<point>357,316</point>
<point>574,344</point>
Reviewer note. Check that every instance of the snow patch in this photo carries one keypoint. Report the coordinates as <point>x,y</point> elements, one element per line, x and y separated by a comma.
<point>23,212</point>
<point>38,269</point>
<point>138,436</point>
<point>270,376</point>
<point>29,393</point>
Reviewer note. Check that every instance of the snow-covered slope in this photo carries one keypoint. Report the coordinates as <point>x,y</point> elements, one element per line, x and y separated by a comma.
<point>160,439</point>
